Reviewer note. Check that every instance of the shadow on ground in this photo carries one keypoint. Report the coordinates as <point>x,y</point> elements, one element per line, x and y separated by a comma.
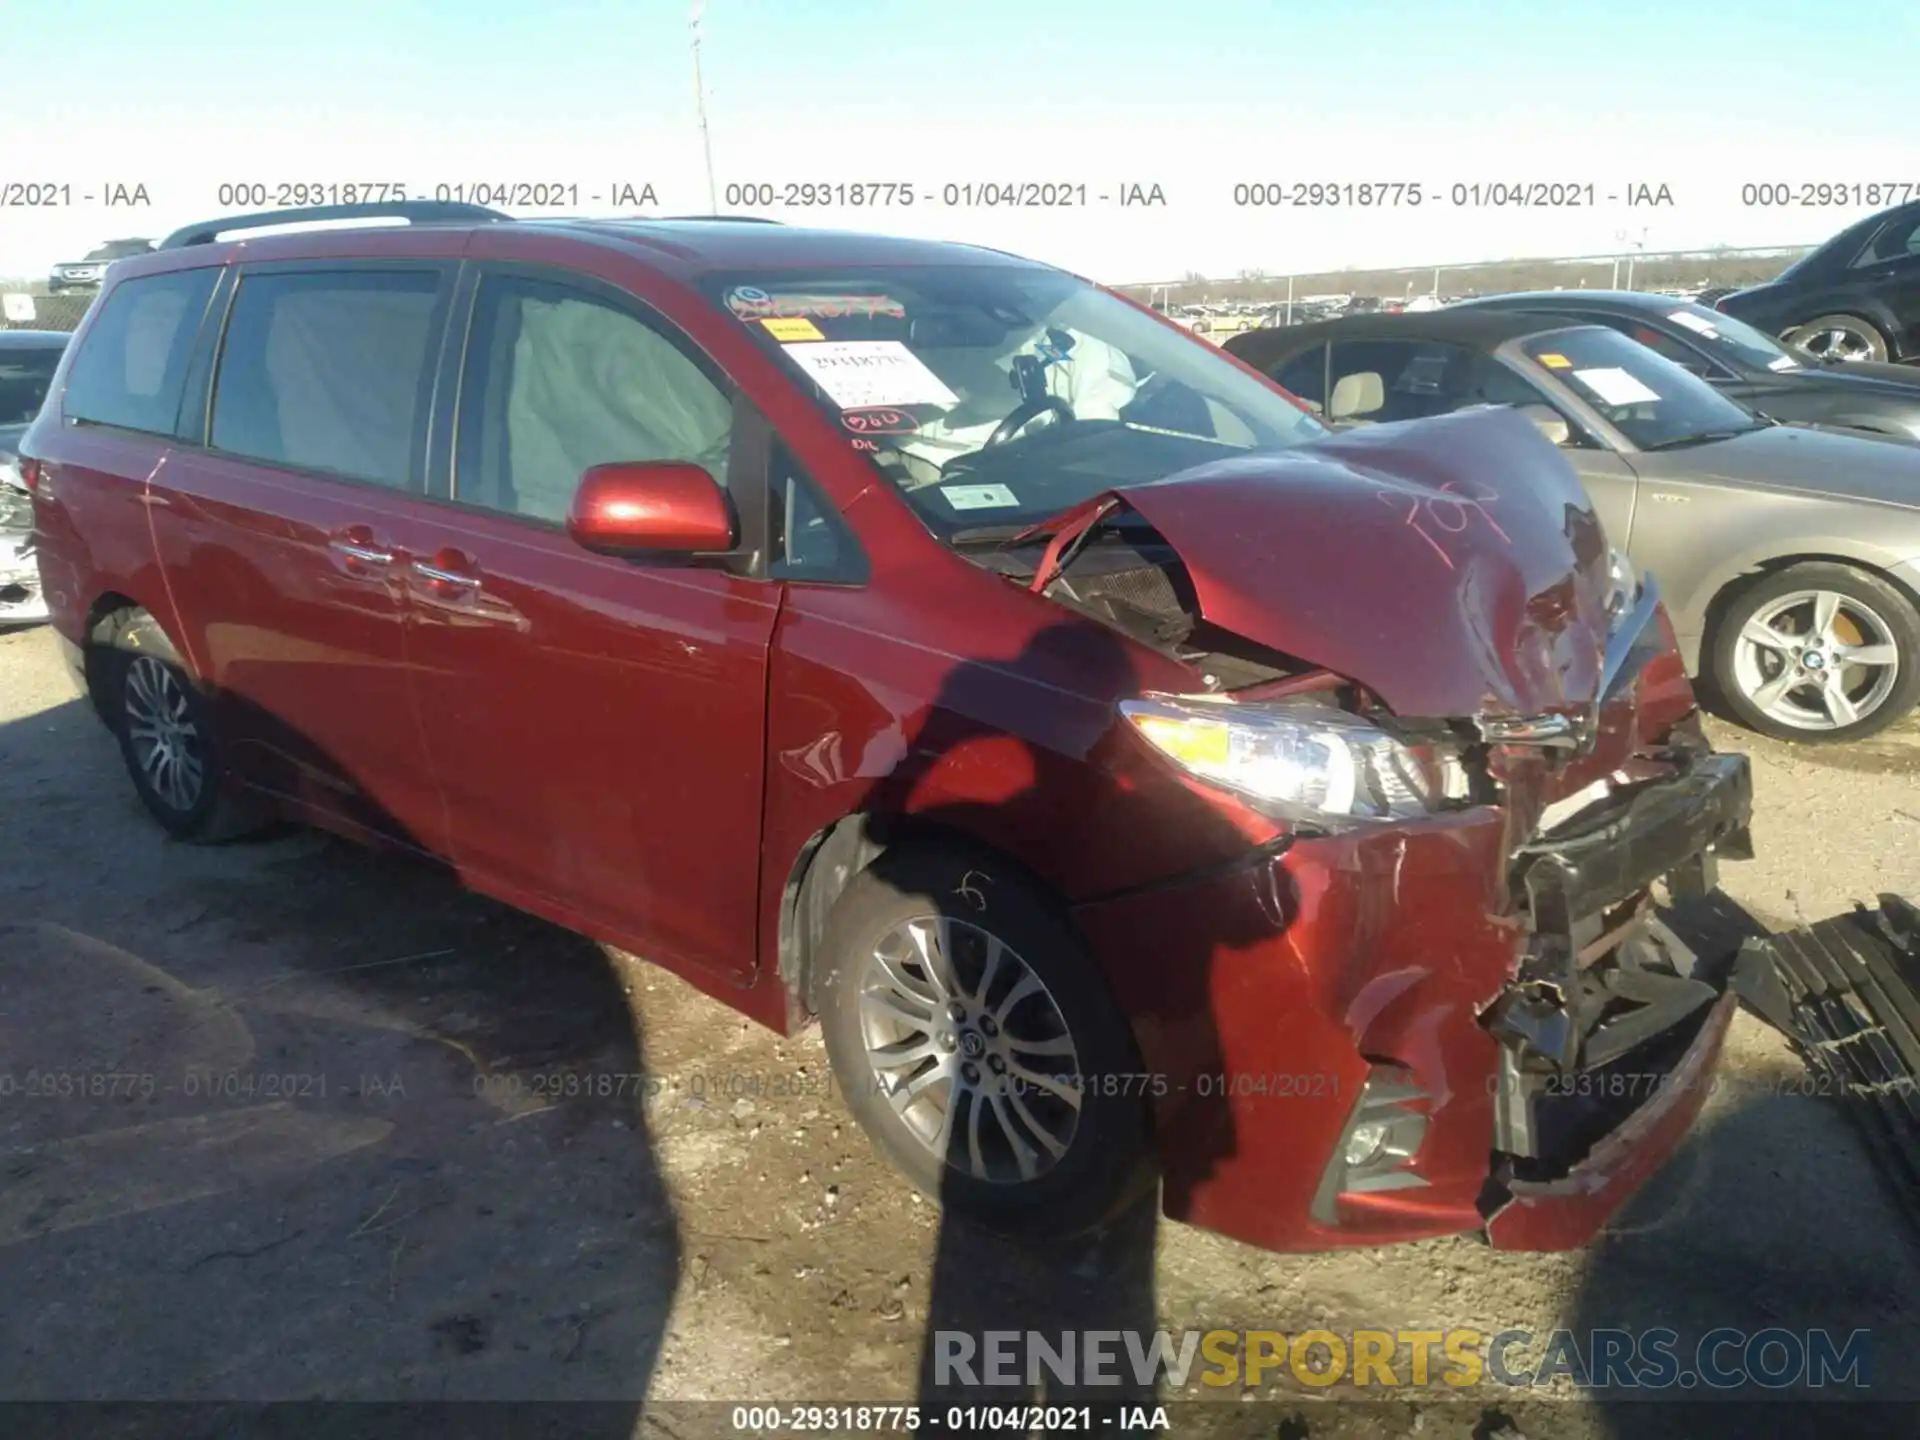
<point>314,1122</point>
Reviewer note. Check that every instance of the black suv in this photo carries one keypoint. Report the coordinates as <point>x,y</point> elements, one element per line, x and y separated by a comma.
<point>1857,297</point>
<point>88,272</point>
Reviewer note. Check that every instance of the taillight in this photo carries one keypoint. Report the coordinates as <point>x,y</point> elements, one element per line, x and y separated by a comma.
<point>30,473</point>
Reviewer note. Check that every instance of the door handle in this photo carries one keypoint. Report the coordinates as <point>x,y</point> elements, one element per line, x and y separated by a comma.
<point>370,554</point>
<point>449,571</point>
<point>357,551</point>
<point>453,589</point>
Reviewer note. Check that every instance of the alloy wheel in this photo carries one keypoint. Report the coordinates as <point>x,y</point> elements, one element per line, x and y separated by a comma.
<point>970,1049</point>
<point>167,744</point>
<point>1833,342</point>
<point>1816,660</point>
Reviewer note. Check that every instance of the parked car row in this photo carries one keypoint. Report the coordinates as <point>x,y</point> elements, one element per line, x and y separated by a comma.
<point>1141,782</point>
<point>1768,472</point>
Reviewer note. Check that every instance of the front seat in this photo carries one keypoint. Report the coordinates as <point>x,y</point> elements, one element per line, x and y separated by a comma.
<point>1355,397</point>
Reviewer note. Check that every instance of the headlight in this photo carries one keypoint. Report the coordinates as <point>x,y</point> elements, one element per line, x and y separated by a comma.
<point>1623,585</point>
<point>1294,760</point>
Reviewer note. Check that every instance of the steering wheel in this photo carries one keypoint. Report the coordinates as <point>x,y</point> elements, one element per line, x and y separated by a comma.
<point>1024,414</point>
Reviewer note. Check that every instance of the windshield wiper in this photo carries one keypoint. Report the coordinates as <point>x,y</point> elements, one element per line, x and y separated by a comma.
<point>1706,437</point>
<point>1004,536</point>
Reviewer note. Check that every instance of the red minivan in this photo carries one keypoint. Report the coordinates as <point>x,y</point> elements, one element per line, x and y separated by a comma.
<point>1140,784</point>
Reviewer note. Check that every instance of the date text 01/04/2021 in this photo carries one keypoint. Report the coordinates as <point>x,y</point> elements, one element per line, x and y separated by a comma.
<point>1374,194</point>
<point>1012,1419</point>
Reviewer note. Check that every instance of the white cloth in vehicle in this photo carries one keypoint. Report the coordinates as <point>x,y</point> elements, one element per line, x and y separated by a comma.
<point>592,385</point>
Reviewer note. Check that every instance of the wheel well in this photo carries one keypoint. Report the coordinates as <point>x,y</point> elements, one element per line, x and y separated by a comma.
<point>1844,313</point>
<point>104,619</point>
<point>828,863</point>
<point>1729,592</point>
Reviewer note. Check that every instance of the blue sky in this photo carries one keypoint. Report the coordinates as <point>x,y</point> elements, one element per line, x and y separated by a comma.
<point>1701,96</point>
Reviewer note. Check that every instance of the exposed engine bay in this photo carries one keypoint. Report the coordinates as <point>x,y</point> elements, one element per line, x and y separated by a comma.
<point>1136,583</point>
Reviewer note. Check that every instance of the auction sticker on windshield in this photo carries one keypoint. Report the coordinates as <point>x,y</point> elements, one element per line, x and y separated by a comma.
<point>861,373</point>
<point>978,497</point>
<point>1694,323</point>
<point>1616,386</point>
<point>1556,362</point>
<point>797,327</point>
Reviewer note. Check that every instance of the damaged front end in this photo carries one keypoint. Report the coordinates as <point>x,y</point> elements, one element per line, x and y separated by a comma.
<point>1418,656</point>
<point>1608,1029</point>
<point>20,599</point>
<point>21,602</point>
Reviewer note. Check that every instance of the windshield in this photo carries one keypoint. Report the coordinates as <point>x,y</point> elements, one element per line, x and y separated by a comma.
<point>1646,397</point>
<point>1734,338</point>
<point>25,375</point>
<point>996,396</point>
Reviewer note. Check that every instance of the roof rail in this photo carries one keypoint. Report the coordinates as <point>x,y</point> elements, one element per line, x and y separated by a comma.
<point>418,212</point>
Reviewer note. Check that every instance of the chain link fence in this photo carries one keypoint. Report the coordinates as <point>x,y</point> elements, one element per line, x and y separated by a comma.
<point>24,308</point>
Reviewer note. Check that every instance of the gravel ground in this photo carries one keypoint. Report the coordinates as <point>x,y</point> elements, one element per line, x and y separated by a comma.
<point>331,1168</point>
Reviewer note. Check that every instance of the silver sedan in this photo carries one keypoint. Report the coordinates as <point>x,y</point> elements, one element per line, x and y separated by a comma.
<point>1789,555</point>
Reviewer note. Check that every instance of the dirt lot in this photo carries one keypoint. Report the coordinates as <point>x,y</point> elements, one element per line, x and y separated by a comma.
<point>331,1169</point>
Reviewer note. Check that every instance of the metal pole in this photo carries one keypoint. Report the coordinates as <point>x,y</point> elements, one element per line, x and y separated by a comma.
<point>1289,299</point>
<point>700,103</point>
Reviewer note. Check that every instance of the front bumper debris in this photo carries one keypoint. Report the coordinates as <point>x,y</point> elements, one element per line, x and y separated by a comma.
<point>21,601</point>
<point>1610,1029</point>
<point>1846,992</point>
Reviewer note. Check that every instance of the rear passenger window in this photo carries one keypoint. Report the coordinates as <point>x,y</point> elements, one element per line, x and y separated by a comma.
<point>329,371</point>
<point>132,364</point>
<point>558,382</point>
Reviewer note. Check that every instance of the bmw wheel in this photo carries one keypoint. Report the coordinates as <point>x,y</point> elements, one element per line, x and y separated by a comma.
<point>1819,652</point>
<point>1839,337</point>
<point>970,1033</point>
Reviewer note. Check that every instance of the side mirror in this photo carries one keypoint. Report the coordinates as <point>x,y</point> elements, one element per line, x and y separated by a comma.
<point>1549,422</point>
<point>651,507</point>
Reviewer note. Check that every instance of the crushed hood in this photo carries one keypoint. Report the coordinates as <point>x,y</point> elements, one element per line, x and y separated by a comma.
<point>1453,566</point>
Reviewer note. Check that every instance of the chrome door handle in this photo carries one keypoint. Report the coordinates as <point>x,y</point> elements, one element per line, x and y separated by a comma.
<point>443,577</point>
<point>367,554</point>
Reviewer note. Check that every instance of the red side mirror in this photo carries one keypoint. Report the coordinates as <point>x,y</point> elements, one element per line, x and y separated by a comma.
<point>651,507</point>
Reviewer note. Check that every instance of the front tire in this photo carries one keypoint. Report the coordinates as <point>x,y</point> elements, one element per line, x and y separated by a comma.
<point>167,738</point>
<point>1839,337</point>
<point>979,1047</point>
<point>1818,653</point>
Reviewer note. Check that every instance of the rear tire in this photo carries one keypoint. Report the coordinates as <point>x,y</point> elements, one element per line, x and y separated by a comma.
<point>979,1046</point>
<point>1783,672</point>
<point>167,738</point>
<point>1839,337</point>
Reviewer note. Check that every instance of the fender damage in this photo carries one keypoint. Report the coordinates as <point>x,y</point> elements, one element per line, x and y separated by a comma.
<point>1507,1035</point>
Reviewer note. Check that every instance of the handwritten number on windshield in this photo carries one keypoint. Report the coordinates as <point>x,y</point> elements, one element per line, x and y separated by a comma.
<point>1448,511</point>
<point>879,420</point>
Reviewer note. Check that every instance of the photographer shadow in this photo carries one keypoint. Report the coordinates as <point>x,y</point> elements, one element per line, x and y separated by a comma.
<point>1056,699</point>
